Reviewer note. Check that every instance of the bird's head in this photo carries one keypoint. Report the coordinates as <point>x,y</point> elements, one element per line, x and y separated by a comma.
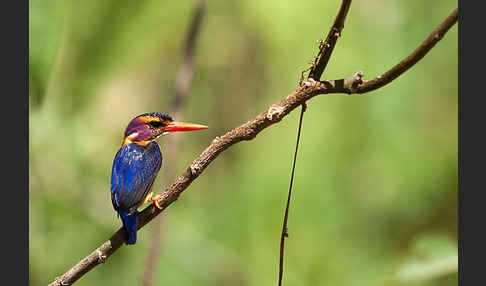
<point>148,126</point>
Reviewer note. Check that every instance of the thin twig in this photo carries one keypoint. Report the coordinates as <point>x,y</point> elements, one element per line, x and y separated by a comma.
<point>182,87</point>
<point>285,232</point>
<point>275,113</point>
<point>413,58</point>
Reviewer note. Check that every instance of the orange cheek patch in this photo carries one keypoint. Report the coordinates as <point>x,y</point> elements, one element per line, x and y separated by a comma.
<point>126,141</point>
<point>142,143</point>
<point>129,141</point>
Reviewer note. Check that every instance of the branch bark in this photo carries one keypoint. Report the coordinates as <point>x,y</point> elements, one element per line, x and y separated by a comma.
<point>326,47</point>
<point>247,131</point>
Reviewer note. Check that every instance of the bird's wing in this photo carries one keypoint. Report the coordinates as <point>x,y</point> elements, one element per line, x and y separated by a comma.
<point>133,174</point>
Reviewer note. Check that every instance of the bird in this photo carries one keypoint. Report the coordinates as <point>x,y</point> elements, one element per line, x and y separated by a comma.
<point>137,164</point>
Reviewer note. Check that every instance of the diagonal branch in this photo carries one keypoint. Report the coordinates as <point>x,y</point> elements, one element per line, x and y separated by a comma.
<point>249,130</point>
<point>412,59</point>
<point>326,47</point>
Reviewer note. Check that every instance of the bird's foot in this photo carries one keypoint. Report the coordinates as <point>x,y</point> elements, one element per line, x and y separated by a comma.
<point>155,200</point>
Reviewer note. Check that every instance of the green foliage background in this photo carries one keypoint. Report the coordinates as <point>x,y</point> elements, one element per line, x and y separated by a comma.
<point>375,200</point>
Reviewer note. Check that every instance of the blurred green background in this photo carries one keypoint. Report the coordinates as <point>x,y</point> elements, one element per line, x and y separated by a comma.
<point>375,194</point>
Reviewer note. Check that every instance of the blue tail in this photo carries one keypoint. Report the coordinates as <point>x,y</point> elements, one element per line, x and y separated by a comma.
<point>130,225</point>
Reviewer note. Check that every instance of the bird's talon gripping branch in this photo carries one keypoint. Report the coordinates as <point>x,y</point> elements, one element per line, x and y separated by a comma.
<point>155,200</point>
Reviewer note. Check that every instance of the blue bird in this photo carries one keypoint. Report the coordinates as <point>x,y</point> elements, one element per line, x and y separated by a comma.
<point>137,164</point>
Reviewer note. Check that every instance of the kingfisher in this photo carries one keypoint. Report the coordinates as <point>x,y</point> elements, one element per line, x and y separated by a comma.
<point>137,164</point>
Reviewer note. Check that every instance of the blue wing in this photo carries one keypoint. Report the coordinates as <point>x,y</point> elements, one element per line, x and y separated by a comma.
<point>133,174</point>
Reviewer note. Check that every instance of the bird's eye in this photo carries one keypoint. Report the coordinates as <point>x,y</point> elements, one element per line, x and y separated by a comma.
<point>156,124</point>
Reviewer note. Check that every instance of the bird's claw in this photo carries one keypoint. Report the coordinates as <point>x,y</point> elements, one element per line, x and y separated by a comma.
<point>155,201</point>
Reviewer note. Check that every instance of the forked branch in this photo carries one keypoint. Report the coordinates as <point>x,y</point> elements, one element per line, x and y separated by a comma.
<point>273,114</point>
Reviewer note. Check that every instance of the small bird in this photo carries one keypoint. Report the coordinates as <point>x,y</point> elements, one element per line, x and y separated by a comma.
<point>137,164</point>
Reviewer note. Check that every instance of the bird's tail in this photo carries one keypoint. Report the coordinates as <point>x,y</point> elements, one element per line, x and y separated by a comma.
<point>130,226</point>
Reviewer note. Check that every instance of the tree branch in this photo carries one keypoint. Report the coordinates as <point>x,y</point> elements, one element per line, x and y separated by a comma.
<point>326,47</point>
<point>249,130</point>
<point>186,71</point>
<point>412,59</point>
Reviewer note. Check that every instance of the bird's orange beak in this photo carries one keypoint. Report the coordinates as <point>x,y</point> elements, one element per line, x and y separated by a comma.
<point>183,126</point>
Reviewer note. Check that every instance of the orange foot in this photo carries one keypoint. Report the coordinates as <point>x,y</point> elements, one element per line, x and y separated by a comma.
<point>155,201</point>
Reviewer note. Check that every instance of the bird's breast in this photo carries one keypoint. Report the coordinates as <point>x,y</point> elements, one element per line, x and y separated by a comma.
<point>134,171</point>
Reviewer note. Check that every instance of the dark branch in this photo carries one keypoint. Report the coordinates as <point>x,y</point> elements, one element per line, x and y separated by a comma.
<point>326,47</point>
<point>285,232</point>
<point>275,113</point>
<point>186,71</point>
